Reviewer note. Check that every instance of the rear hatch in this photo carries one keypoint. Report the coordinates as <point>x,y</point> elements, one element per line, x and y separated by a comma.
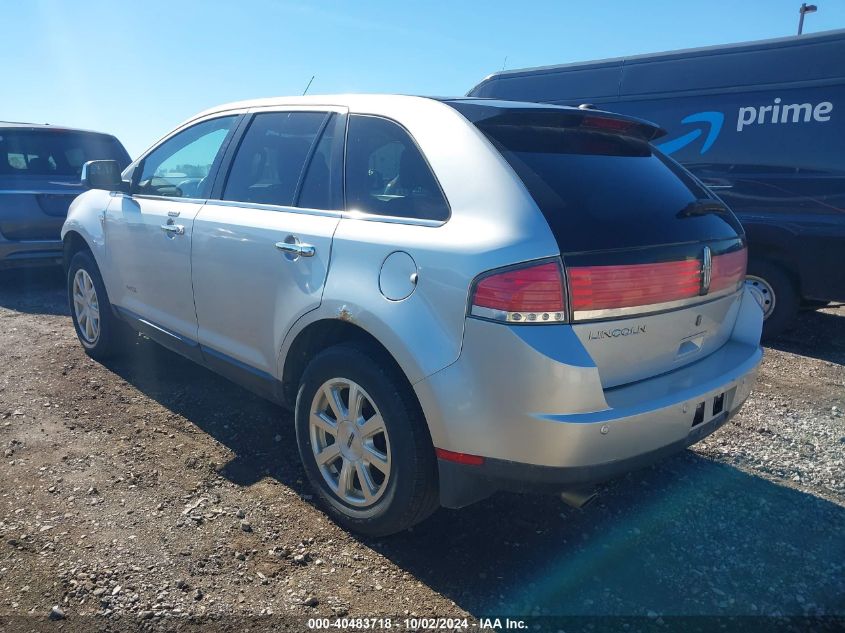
<point>40,170</point>
<point>653,263</point>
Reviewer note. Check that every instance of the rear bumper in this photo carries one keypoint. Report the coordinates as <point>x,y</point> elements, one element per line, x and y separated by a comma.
<point>544,422</point>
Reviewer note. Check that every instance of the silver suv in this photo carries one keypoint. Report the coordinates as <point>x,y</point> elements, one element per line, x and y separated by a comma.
<point>455,296</point>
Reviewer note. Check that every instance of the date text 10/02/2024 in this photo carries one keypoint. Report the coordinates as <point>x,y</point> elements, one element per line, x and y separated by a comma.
<point>417,624</point>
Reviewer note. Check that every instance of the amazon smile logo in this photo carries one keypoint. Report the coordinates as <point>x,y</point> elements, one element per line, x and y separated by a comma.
<point>713,125</point>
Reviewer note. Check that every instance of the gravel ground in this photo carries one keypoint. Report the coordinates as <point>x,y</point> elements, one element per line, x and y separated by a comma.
<point>151,490</point>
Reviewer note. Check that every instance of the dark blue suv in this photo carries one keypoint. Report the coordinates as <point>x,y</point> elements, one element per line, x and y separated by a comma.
<point>761,123</point>
<point>40,168</point>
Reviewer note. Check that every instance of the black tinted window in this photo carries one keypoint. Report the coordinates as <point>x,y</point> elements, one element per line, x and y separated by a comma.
<point>55,152</point>
<point>321,180</point>
<point>600,191</point>
<point>387,175</point>
<point>180,166</point>
<point>269,162</point>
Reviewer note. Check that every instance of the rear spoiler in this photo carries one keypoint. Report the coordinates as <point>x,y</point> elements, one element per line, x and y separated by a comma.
<point>560,116</point>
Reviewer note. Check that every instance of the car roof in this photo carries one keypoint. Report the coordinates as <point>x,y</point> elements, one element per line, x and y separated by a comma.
<point>364,102</point>
<point>19,125</point>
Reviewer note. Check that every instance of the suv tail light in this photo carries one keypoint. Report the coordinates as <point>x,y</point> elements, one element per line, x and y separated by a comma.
<point>531,293</point>
<point>728,270</point>
<point>609,287</point>
<point>624,290</point>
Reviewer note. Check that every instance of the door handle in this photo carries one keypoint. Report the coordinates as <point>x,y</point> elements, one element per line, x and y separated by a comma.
<point>298,249</point>
<point>174,229</point>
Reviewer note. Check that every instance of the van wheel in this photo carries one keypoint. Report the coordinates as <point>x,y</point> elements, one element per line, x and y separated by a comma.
<point>364,443</point>
<point>99,331</point>
<point>773,289</point>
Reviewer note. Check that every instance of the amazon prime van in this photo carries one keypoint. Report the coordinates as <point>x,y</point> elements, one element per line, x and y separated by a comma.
<point>761,123</point>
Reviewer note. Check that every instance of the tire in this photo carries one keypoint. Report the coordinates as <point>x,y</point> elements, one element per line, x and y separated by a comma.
<point>102,341</point>
<point>772,285</point>
<point>407,492</point>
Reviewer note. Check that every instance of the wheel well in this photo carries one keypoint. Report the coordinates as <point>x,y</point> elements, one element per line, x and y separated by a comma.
<point>73,243</point>
<point>779,259</point>
<point>321,335</point>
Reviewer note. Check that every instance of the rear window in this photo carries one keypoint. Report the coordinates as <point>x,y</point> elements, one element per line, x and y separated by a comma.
<point>599,190</point>
<point>55,152</point>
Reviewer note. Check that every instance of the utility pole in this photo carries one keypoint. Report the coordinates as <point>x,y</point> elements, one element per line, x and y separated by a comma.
<point>805,8</point>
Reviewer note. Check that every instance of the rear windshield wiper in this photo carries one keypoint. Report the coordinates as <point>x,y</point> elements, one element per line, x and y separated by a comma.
<point>702,207</point>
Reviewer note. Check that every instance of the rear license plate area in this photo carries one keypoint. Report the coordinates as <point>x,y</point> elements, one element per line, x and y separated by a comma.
<point>715,408</point>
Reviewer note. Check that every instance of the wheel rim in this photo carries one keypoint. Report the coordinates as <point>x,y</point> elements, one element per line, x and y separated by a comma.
<point>86,307</point>
<point>763,292</point>
<point>350,443</point>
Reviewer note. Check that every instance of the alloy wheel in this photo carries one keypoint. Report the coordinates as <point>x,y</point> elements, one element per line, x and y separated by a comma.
<point>350,442</point>
<point>86,306</point>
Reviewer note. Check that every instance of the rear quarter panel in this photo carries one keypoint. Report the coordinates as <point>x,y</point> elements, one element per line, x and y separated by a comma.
<point>494,222</point>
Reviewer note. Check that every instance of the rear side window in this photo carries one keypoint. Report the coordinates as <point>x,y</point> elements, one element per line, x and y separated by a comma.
<point>600,190</point>
<point>270,160</point>
<point>55,152</point>
<point>387,175</point>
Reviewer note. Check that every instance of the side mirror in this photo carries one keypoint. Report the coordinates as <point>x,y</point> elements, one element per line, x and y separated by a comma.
<point>102,174</point>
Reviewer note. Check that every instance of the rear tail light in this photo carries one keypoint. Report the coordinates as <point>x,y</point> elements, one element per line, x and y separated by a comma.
<point>609,287</point>
<point>607,123</point>
<point>619,290</point>
<point>532,293</point>
<point>728,270</point>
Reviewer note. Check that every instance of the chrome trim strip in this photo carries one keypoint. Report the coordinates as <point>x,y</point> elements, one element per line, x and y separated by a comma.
<point>311,107</point>
<point>273,207</point>
<point>706,271</point>
<point>391,219</point>
<point>632,311</point>
<point>146,196</point>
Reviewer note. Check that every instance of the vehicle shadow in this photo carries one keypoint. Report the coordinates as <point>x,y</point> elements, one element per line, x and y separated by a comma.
<point>36,290</point>
<point>689,536</point>
<point>259,433</point>
<point>815,333</point>
<point>686,537</point>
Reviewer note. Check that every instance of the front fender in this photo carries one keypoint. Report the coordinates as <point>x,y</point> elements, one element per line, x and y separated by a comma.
<point>86,218</point>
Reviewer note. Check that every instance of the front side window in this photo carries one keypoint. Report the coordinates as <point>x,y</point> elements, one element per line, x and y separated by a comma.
<point>269,162</point>
<point>387,175</point>
<point>180,166</point>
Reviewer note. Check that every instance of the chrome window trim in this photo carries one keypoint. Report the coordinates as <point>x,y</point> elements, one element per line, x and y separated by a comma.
<point>653,308</point>
<point>354,214</point>
<point>147,196</point>
<point>260,206</point>
<point>312,107</point>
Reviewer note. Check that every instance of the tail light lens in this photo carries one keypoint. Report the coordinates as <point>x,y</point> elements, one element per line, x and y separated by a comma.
<point>728,270</point>
<point>604,291</point>
<point>609,287</point>
<point>528,294</point>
